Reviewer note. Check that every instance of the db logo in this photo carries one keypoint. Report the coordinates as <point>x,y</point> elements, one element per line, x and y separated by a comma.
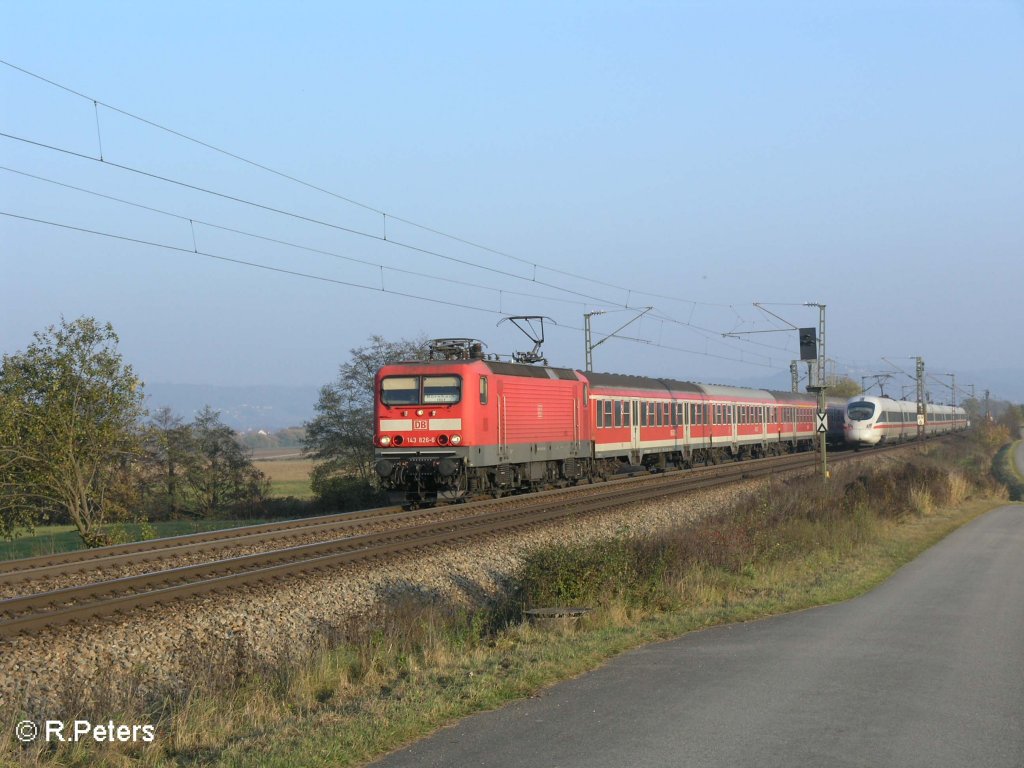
<point>419,424</point>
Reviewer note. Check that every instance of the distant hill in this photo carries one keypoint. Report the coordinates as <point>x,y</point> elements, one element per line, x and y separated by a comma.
<point>242,408</point>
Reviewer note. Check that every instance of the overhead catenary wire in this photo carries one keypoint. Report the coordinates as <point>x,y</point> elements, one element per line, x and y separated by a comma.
<point>708,334</point>
<point>244,262</point>
<point>289,177</point>
<point>335,281</point>
<point>331,225</point>
<point>290,244</point>
<point>302,217</point>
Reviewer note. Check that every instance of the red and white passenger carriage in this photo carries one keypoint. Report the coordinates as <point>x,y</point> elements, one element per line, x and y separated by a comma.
<point>450,428</point>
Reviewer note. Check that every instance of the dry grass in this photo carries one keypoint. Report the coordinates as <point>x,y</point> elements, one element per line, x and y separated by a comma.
<point>286,470</point>
<point>288,477</point>
<point>352,696</point>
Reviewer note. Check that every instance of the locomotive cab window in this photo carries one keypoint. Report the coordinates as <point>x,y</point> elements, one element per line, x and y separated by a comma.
<point>421,390</point>
<point>441,389</point>
<point>400,390</point>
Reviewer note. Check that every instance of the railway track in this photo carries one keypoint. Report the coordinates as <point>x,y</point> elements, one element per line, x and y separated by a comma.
<point>13,571</point>
<point>406,533</point>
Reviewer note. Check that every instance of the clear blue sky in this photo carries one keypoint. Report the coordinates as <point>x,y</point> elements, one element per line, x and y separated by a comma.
<point>868,155</point>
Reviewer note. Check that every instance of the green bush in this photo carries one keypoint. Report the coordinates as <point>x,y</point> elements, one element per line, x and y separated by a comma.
<point>346,494</point>
<point>788,517</point>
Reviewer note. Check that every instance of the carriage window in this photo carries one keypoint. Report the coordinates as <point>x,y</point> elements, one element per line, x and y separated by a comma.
<point>400,390</point>
<point>618,413</point>
<point>441,389</point>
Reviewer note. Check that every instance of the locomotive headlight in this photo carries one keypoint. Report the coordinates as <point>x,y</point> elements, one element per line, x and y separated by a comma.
<point>419,412</point>
<point>385,441</point>
<point>456,439</point>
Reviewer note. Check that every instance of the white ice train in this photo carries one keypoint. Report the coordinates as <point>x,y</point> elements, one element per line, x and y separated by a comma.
<point>874,420</point>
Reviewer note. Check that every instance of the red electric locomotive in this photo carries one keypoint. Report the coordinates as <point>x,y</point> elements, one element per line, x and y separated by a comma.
<point>449,428</point>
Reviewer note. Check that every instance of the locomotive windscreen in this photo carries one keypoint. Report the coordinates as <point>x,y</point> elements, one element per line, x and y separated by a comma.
<point>420,390</point>
<point>441,389</point>
<point>860,411</point>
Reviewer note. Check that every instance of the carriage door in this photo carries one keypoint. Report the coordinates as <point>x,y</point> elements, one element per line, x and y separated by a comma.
<point>634,431</point>
<point>502,428</point>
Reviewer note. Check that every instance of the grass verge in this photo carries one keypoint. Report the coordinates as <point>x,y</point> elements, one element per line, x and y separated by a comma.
<point>1005,468</point>
<point>50,539</point>
<point>425,663</point>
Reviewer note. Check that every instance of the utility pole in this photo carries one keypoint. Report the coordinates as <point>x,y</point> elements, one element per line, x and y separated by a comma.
<point>589,351</point>
<point>820,387</point>
<point>922,408</point>
<point>588,347</point>
<point>810,349</point>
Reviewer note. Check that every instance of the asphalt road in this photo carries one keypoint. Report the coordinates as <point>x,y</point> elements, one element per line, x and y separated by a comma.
<point>926,670</point>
